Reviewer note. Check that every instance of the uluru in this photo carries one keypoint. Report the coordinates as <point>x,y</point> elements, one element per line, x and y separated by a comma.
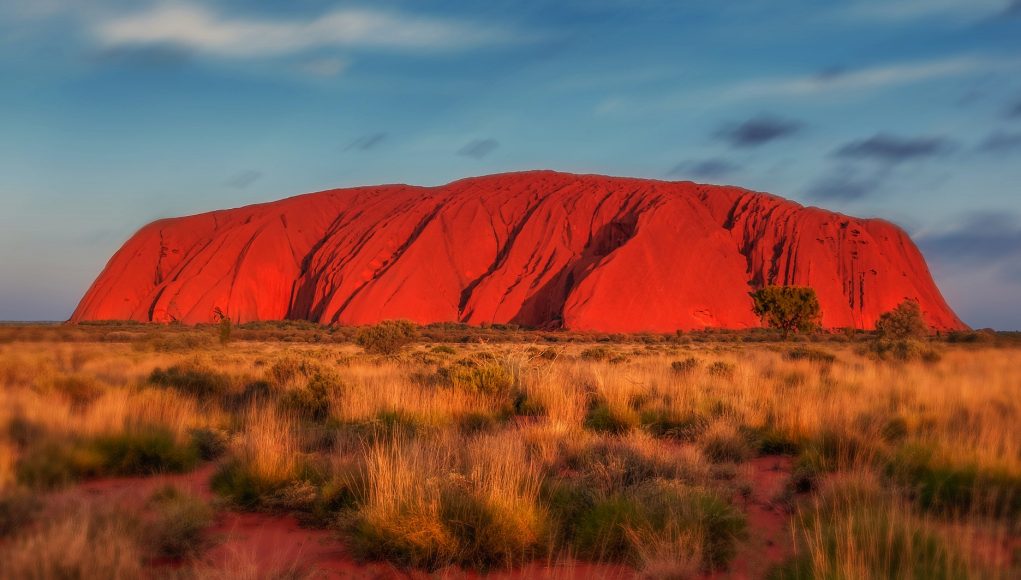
<point>539,249</point>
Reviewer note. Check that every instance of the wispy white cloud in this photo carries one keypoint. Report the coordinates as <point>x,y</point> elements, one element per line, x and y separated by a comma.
<point>200,29</point>
<point>896,11</point>
<point>876,77</point>
<point>325,67</point>
<point>842,82</point>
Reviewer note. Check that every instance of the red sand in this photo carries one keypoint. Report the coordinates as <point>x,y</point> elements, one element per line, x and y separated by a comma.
<point>769,536</point>
<point>540,249</point>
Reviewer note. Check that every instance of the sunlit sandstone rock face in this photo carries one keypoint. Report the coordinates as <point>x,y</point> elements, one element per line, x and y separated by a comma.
<point>539,249</point>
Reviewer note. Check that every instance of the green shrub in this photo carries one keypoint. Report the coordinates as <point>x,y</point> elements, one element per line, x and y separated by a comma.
<point>192,379</point>
<point>51,464</point>
<point>601,532</point>
<point>491,532</point>
<point>241,486</point>
<point>604,419</point>
<point>177,529</point>
<point>883,540</point>
<point>443,349</point>
<point>144,452</point>
<point>611,466</point>
<point>296,368</point>
<point>903,323</point>
<point>949,489</point>
<point>612,526</point>
<point>903,350</point>
<point>725,446</point>
<point>388,337</point>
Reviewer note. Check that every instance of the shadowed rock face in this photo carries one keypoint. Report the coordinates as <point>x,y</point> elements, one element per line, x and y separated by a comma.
<point>540,249</point>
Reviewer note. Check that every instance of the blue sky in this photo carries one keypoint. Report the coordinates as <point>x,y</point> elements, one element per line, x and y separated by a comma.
<point>116,113</point>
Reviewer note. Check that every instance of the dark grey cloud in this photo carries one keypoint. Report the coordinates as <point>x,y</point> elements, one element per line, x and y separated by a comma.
<point>832,73</point>
<point>1012,10</point>
<point>1001,142</point>
<point>982,238</point>
<point>366,142</point>
<point>244,179</point>
<point>714,168</point>
<point>891,149</point>
<point>846,183</point>
<point>1014,110</point>
<point>479,149</point>
<point>758,130</point>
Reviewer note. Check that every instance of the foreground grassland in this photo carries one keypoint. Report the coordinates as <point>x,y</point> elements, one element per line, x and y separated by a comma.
<point>639,454</point>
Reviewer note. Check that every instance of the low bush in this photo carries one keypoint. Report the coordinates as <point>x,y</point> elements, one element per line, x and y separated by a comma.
<point>524,405</point>
<point>486,377</point>
<point>311,401</point>
<point>144,452</point>
<point>810,354</point>
<point>596,353</point>
<point>18,508</point>
<point>209,443</point>
<point>476,422</point>
<point>721,369</point>
<point>79,543</point>
<point>663,423</point>
<point>903,350</point>
<point>613,527</point>
<point>603,418</point>
<point>179,522</point>
<point>242,486</point>
<point>388,337</point>
<point>51,464</point>
<point>685,366</point>
<point>79,390</point>
<point>192,379</point>
<point>723,443</point>
<point>860,525</point>
<point>946,488</point>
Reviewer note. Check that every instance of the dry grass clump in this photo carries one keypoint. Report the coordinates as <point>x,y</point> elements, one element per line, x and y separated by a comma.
<point>83,542</point>
<point>857,529</point>
<point>431,504</point>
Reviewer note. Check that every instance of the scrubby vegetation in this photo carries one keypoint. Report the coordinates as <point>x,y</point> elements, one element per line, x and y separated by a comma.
<point>643,452</point>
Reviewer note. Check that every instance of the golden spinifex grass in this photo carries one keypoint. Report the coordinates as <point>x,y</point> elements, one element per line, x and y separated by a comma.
<point>489,456</point>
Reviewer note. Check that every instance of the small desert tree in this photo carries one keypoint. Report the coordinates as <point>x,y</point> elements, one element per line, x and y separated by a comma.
<point>388,337</point>
<point>904,322</point>
<point>901,334</point>
<point>224,324</point>
<point>787,308</point>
